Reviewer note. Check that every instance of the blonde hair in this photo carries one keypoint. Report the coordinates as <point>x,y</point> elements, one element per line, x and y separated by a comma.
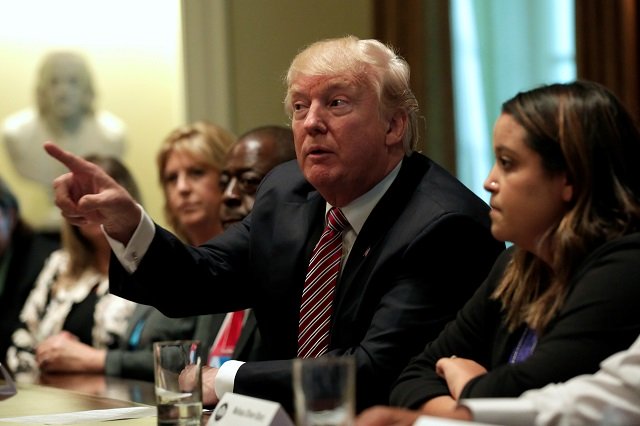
<point>205,142</point>
<point>367,62</point>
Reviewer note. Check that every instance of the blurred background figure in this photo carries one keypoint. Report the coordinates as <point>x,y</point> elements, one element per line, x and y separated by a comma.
<point>70,307</point>
<point>64,113</point>
<point>22,256</point>
<point>189,163</point>
<point>249,160</point>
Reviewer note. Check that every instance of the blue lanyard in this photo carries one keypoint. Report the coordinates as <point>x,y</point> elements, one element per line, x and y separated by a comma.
<point>134,339</point>
<point>525,346</point>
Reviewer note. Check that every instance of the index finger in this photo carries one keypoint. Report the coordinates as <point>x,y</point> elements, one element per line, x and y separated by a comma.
<point>70,160</point>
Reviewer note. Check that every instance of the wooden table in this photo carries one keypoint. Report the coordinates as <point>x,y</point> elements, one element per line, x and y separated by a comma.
<point>64,393</point>
<point>100,385</point>
<point>33,399</point>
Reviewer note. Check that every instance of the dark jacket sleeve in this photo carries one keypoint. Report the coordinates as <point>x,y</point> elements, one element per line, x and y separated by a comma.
<point>137,363</point>
<point>598,319</point>
<point>470,335</point>
<point>189,280</point>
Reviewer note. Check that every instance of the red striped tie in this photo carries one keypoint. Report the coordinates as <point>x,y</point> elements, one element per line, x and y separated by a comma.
<point>319,288</point>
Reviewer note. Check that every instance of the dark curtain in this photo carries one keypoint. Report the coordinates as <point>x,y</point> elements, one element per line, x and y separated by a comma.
<point>419,30</point>
<point>607,47</point>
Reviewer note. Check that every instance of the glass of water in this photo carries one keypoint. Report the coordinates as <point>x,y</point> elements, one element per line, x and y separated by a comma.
<point>324,391</point>
<point>178,382</point>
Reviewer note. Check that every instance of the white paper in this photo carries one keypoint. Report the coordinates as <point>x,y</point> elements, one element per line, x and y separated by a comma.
<point>85,416</point>
<point>440,421</point>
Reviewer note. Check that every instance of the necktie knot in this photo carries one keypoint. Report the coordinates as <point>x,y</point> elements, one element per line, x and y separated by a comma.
<point>336,220</point>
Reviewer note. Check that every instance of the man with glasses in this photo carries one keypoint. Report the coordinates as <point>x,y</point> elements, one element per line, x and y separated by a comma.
<point>248,161</point>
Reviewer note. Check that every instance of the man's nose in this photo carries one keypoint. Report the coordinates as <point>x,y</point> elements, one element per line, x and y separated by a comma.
<point>231,194</point>
<point>315,121</point>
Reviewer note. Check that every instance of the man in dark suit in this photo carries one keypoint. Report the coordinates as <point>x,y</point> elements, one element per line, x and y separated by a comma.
<point>22,255</point>
<point>415,246</point>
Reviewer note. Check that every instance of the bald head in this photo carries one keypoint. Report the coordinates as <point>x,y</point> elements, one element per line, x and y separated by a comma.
<point>254,154</point>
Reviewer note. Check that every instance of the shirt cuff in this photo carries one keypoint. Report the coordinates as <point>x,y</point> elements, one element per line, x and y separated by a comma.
<point>131,254</point>
<point>226,376</point>
<point>502,411</point>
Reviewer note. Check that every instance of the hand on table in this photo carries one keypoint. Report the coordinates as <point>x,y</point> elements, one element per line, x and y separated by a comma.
<point>394,416</point>
<point>63,352</point>
<point>387,416</point>
<point>209,397</point>
<point>458,372</point>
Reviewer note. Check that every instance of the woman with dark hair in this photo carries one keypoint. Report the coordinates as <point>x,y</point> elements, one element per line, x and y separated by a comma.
<point>71,301</point>
<point>565,189</point>
<point>22,255</point>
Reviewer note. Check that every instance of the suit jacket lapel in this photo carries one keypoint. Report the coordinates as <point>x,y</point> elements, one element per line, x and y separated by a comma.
<point>382,217</point>
<point>298,231</point>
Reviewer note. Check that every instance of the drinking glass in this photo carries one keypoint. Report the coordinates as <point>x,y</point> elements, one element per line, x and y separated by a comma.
<point>7,386</point>
<point>178,382</point>
<point>324,391</point>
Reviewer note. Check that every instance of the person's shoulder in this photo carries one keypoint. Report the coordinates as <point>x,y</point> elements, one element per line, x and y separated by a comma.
<point>288,168</point>
<point>286,177</point>
<point>438,187</point>
<point>625,249</point>
<point>16,124</point>
<point>111,125</point>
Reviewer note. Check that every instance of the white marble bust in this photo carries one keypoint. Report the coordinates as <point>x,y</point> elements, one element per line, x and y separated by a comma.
<point>64,114</point>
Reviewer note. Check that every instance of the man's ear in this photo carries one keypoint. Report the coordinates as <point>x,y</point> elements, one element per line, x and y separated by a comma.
<point>397,126</point>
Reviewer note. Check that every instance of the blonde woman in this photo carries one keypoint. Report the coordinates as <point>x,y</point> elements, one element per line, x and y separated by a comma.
<point>189,163</point>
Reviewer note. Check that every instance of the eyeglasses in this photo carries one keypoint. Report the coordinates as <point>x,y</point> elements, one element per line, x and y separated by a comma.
<point>8,388</point>
<point>245,183</point>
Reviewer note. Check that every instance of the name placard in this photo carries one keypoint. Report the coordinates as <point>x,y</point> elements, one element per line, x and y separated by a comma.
<point>241,410</point>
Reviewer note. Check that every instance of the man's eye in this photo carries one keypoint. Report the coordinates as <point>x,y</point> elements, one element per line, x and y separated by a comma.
<point>252,181</point>
<point>338,102</point>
